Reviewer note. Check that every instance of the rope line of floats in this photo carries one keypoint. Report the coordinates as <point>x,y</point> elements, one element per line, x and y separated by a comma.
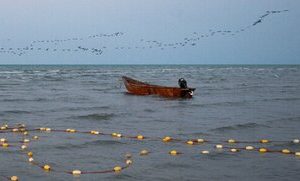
<point>230,145</point>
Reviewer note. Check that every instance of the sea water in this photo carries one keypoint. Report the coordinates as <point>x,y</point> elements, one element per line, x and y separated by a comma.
<point>243,102</point>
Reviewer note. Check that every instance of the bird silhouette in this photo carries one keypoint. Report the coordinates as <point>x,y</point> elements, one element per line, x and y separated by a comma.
<point>60,45</point>
<point>256,22</point>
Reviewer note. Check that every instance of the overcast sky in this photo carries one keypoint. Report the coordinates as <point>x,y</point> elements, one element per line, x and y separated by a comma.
<point>276,40</point>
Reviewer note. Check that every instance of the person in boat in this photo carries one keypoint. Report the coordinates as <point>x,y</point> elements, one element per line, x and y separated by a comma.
<point>182,83</point>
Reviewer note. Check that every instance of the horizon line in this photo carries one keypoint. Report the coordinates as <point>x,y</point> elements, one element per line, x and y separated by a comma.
<point>153,64</point>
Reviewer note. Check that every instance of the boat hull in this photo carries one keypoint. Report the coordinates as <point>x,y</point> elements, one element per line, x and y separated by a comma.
<point>141,88</point>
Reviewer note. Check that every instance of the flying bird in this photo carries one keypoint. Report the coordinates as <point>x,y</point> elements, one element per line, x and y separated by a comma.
<point>256,22</point>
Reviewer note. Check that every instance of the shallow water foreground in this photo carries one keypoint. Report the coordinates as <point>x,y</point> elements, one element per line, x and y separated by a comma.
<point>247,103</point>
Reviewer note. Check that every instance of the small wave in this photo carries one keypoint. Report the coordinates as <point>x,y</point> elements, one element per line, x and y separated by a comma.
<point>39,99</point>
<point>87,108</point>
<point>101,90</point>
<point>238,127</point>
<point>102,116</point>
<point>51,78</point>
<point>54,71</point>
<point>172,165</point>
<point>285,144</point>
<point>283,99</point>
<point>11,72</point>
<point>260,69</point>
<point>78,109</point>
<point>241,103</point>
<point>12,100</point>
<point>16,112</point>
<point>162,121</point>
<point>67,146</point>
<point>229,103</point>
<point>149,110</point>
<point>8,84</point>
<point>20,100</point>
<point>103,142</point>
<point>196,134</point>
<point>285,120</point>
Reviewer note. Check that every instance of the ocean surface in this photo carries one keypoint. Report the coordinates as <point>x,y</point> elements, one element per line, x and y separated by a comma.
<point>243,102</point>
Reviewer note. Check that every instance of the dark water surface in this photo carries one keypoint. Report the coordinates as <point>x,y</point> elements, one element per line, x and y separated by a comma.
<point>240,102</point>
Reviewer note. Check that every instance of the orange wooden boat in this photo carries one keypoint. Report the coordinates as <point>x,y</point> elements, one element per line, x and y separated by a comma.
<point>141,88</point>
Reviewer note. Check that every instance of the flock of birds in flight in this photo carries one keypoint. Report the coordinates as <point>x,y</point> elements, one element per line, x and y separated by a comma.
<point>192,40</point>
